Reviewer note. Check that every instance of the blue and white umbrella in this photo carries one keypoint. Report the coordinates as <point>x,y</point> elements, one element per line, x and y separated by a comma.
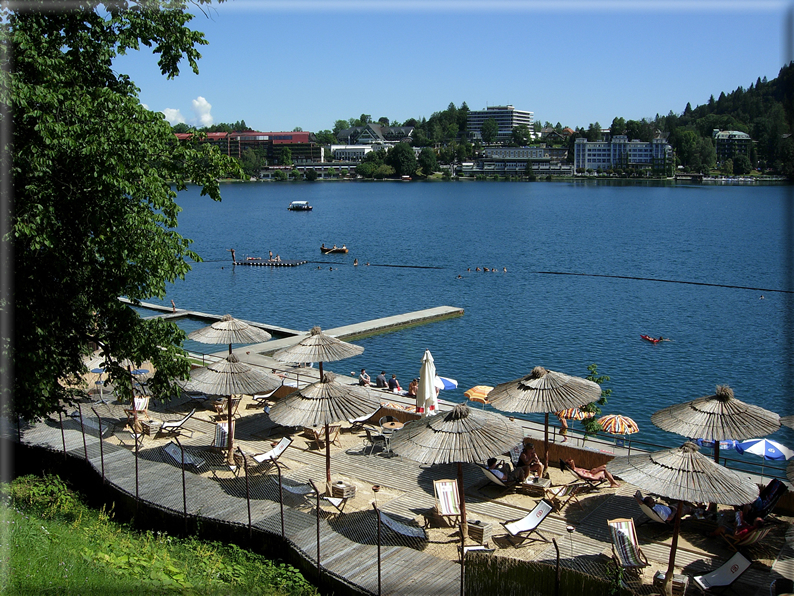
<point>445,383</point>
<point>765,448</point>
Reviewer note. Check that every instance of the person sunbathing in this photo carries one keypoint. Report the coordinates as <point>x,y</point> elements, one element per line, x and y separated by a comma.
<point>667,513</point>
<point>598,473</point>
<point>504,472</point>
<point>739,520</point>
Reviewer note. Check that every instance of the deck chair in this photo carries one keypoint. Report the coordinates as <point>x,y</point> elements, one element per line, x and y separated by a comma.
<point>318,435</point>
<point>648,511</point>
<point>174,427</point>
<point>302,491</point>
<point>591,484</point>
<point>401,528</point>
<point>374,440</point>
<point>768,498</point>
<point>220,407</point>
<point>261,400</point>
<point>507,486</point>
<point>139,405</point>
<point>725,575</point>
<point>175,453</point>
<point>262,462</point>
<point>781,585</point>
<point>521,530</point>
<point>560,496</point>
<point>626,550</point>
<point>447,499</point>
<point>754,536</point>
<point>221,439</point>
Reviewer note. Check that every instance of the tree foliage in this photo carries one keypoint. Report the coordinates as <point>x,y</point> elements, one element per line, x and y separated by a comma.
<point>427,161</point>
<point>489,130</point>
<point>92,173</point>
<point>402,158</point>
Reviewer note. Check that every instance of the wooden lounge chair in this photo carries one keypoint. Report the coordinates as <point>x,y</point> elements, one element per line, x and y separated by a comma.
<point>262,462</point>
<point>318,434</point>
<point>414,532</point>
<point>174,427</point>
<point>725,575</point>
<point>754,536</point>
<point>560,496</point>
<point>302,491</point>
<point>521,530</point>
<point>447,499</point>
<point>590,482</point>
<point>175,453</point>
<point>626,550</point>
<point>140,406</point>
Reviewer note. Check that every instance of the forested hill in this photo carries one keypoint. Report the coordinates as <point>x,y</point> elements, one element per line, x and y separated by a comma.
<point>765,111</point>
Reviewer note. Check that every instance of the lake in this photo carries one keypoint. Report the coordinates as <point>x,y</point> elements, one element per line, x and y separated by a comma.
<point>419,237</point>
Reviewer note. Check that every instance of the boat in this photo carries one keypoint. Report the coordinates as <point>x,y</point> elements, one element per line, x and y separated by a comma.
<point>326,250</point>
<point>653,340</point>
<point>299,206</point>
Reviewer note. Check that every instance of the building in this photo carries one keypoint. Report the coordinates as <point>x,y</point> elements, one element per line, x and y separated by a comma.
<point>507,117</point>
<point>730,143</point>
<point>512,161</point>
<point>374,134</point>
<point>352,153</point>
<point>302,145</point>
<point>619,152</point>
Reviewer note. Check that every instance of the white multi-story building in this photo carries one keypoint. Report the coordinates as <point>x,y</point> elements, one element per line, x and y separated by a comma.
<point>507,117</point>
<point>350,152</point>
<point>619,152</point>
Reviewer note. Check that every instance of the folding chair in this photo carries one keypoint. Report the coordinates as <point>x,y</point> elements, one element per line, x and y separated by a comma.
<point>261,400</point>
<point>754,536</point>
<point>447,499</point>
<point>521,530</point>
<point>648,511</point>
<point>174,427</point>
<point>506,486</point>
<point>221,439</point>
<point>768,498</point>
<point>319,435</point>
<point>626,550</point>
<point>140,405</point>
<point>302,491</point>
<point>401,528</point>
<point>262,462</point>
<point>568,492</point>
<point>175,453</point>
<point>725,575</point>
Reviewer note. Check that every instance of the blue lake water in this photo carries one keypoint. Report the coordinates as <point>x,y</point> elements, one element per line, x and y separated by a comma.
<point>731,235</point>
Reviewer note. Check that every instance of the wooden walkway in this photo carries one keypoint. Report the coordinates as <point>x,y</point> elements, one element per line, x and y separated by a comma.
<point>348,546</point>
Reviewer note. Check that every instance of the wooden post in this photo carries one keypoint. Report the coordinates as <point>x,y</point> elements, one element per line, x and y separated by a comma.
<point>247,491</point>
<point>184,490</point>
<point>668,579</point>
<point>101,449</point>
<point>464,526</point>
<point>63,436</point>
<point>82,430</point>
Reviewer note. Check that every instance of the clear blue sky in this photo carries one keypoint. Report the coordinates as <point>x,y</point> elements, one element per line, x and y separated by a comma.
<point>279,64</point>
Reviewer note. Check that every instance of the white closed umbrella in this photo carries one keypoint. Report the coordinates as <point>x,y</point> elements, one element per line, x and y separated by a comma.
<point>427,393</point>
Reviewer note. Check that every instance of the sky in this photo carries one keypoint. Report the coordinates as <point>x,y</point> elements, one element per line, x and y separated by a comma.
<point>282,64</point>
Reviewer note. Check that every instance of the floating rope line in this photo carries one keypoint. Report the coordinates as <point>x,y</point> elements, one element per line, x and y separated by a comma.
<point>667,281</point>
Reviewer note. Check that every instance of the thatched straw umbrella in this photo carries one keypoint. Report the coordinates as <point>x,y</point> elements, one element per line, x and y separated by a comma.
<point>459,435</point>
<point>323,403</point>
<point>717,417</point>
<point>684,474</point>
<point>230,377</point>
<point>318,347</point>
<point>230,331</point>
<point>787,421</point>
<point>544,391</point>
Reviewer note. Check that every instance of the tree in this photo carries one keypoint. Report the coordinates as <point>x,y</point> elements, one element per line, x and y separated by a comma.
<point>618,126</point>
<point>311,174</point>
<point>95,214</point>
<point>741,165</point>
<point>591,425</point>
<point>427,161</point>
<point>285,157</point>
<point>297,129</point>
<point>521,135</point>
<point>252,161</point>
<point>383,120</point>
<point>402,158</point>
<point>594,132</point>
<point>326,137</point>
<point>489,130</point>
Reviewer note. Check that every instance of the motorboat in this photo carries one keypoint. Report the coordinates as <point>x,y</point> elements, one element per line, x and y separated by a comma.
<point>299,206</point>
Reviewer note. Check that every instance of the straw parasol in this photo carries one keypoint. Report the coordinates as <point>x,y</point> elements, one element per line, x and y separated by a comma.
<point>787,421</point>
<point>544,391</point>
<point>683,474</point>
<point>229,331</point>
<point>323,403</point>
<point>716,418</point>
<point>790,472</point>
<point>318,347</point>
<point>460,435</point>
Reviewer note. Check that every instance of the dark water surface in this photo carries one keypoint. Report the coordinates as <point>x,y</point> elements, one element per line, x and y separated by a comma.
<point>731,235</point>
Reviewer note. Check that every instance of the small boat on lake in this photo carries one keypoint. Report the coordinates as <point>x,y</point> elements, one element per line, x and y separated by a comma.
<point>654,340</point>
<point>333,249</point>
<point>299,206</point>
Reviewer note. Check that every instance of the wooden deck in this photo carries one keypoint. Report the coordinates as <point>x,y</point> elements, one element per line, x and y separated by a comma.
<point>348,546</point>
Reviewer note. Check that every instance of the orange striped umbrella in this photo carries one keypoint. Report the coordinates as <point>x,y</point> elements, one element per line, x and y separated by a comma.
<point>617,424</point>
<point>479,393</point>
<point>574,414</point>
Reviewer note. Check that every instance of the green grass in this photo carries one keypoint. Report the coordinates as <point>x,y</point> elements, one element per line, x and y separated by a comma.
<point>52,543</point>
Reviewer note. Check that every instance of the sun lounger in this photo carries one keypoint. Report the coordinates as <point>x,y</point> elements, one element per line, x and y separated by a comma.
<point>590,482</point>
<point>626,550</point>
<point>175,453</point>
<point>648,511</point>
<point>754,536</point>
<point>521,530</point>
<point>318,434</point>
<point>174,427</point>
<point>140,406</point>
<point>560,496</point>
<point>301,491</point>
<point>507,486</point>
<point>262,462</point>
<point>768,498</point>
<point>725,575</point>
<point>401,528</point>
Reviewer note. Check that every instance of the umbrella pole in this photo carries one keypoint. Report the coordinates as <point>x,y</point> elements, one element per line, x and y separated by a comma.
<point>668,579</point>
<point>464,526</point>
<point>229,438</point>
<point>327,459</point>
<point>717,452</point>
<point>546,443</point>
